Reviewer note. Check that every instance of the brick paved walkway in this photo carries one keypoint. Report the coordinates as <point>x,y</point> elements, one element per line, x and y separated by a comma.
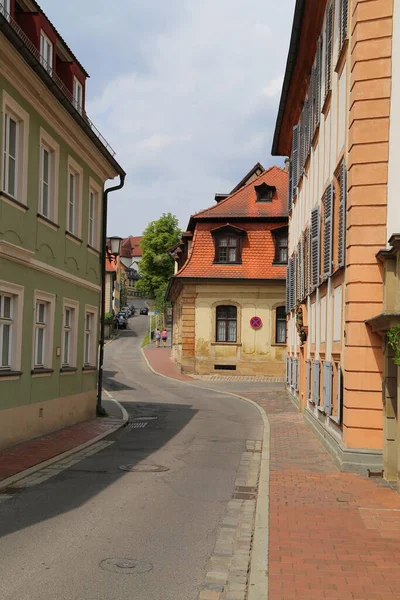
<point>160,360</point>
<point>333,535</point>
<point>29,454</point>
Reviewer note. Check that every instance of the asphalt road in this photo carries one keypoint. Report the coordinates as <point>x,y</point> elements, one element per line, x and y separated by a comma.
<point>53,537</point>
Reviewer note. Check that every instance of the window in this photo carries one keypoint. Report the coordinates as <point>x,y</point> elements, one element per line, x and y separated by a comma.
<point>6,330</point>
<point>93,220</point>
<point>281,246</point>
<point>90,353</point>
<point>74,198</point>
<point>343,21</point>
<point>69,333</point>
<point>228,249</point>
<point>14,169</point>
<point>46,52</point>
<point>49,166</point>
<point>78,95</point>
<point>43,331</point>
<point>265,192</point>
<point>280,325</point>
<point>10,161</point>
<point>226,324</point>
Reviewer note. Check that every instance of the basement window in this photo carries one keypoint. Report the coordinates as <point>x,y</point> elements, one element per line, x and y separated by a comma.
<point>225,367</point>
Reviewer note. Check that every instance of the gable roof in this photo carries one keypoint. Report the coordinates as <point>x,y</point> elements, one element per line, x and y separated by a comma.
<point>254,171</point>
<point>130,246</point>
<point>243,203</point>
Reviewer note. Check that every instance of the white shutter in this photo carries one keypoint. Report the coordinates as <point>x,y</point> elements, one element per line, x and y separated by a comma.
<point>328,222</point>
<point>328,48</point>
<point>342,215</point>
<point>327,387</point>
<point>315,246</point>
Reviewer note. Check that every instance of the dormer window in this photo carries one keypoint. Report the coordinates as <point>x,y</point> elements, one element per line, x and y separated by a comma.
<point>78,95</point>
<point>46,52</point>
<point>265,192</point>
<point>281,245</point>
<point>228,244</point>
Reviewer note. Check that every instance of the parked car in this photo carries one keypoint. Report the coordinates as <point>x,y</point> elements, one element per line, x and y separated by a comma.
<point>144,311</point>
<point>121,320</point>
<point>126,311</point>
<point>132,308</point>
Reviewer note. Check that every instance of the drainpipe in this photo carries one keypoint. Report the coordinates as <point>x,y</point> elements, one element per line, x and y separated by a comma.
<point>99,408</point>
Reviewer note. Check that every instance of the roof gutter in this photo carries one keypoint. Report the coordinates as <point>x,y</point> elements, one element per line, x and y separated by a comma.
<point>290,65</point>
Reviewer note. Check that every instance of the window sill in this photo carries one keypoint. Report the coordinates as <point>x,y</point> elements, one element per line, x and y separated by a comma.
<point>48,222</point>
<point>327,103</point>
<point>342,57</point>
<point>9,374</point>
<point>225,344</point>
<point>73,238</point>
<point>13,201</point>
<point>41,372</point>
<point>93,250</point>
<point>279,344</point>
<point>89,369</point>
<point>68,370</point>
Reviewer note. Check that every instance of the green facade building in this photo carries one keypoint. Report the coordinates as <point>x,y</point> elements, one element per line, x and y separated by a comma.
<point>54,164</point>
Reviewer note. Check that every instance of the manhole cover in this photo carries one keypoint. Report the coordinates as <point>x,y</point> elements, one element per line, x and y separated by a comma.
<point>144,468</point>
<point>127,566</point>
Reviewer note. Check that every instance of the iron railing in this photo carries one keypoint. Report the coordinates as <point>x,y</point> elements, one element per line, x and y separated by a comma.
<point>51,72</point>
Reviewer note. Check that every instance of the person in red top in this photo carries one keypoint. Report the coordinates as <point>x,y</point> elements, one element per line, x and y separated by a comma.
<point>164,337</point>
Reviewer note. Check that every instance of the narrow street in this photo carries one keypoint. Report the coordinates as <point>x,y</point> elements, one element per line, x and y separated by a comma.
<point>72,536</point>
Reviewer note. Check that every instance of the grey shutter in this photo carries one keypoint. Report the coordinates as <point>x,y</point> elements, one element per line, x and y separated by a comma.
<point>308,261</point>
<point>295,159</point>
<point>301,270</point>
<point>315,246</point>
<point>290,196</point>
<point>294,373</point>
<point>342,215</point>
<point>288,288</point>
<point>297,278</point>
<point>327,388</point>
<point>308,380</point>
<point>339,394</point>
<point>287,369</point>
<point>344,17</point>
<point>315,382</point>
<point>301,144</point>
<point>328,223</point>
<point>328,48</point>
<point>311,108</point>
<point>306,129</point>
<point>318,83</point>
<point>292,284</point>
<point>297,374</point>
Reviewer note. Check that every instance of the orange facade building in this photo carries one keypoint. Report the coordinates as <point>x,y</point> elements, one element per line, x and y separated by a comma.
<point>334,122</point>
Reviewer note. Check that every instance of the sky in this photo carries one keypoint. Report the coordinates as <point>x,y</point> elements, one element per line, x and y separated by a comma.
<point>185,91</point>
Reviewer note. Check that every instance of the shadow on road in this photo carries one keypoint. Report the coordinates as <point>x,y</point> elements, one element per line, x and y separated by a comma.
<point>82,482</point>
<point>113,385</point>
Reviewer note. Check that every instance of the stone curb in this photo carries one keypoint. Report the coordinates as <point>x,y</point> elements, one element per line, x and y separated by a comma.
<point>22,474</point>
<point>258,576</point>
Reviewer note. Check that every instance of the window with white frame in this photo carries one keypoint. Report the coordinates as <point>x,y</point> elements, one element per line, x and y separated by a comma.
<point>89,354</point>
<point>6,330</point>
<point>280,325</point>
<point>49,166</point>
<point>43,330</point>
<point>69,333</point>
<point>78,95</point>
<point>92,221</point>
<point>46,52</point>
<point>74,198</point>
<point>15,129</point>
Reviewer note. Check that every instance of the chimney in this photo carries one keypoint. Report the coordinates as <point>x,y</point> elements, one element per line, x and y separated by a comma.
<point>287,163</point>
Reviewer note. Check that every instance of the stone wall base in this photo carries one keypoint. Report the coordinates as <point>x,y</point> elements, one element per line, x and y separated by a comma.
<point>27,422</point>
<point>355,460</point>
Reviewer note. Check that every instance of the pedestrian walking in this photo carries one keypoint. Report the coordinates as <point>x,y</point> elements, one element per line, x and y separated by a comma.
<point>158,337</point>
<point>164,337</point>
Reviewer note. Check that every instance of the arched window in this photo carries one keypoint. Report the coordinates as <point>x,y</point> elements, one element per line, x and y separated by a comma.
<point>226,326</point>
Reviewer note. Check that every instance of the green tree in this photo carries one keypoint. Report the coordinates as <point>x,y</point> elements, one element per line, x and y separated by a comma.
<point>157,266</point>
<point>123,294</point>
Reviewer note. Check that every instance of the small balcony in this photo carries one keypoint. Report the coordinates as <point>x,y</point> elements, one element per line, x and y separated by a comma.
<point>13,31</point>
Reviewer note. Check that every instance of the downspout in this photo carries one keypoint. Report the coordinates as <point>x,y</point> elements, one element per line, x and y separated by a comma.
<point>99,408</point>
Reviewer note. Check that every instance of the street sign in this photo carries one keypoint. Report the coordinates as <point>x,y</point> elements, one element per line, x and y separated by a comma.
<point>151,314</point>
<point>156,312</point>
<point>256,322</point>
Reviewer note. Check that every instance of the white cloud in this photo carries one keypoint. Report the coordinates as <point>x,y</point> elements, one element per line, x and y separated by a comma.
<point>180,92</point>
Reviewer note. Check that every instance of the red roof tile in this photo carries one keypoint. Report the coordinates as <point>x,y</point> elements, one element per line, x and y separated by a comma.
<point>258,254</point>
<point>130,246</point>
<point>243,202</point>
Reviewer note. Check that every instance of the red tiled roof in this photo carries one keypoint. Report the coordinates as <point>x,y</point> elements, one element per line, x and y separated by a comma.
<point>258,253</point>
<point>130,246</point>
<point>243,202</point>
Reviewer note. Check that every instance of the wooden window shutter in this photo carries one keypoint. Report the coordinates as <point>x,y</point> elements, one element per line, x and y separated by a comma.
<point>328,48</point>
<point>292,283</point>
<point>328,223</point>
<point>315,246</point>
<point>311,108</point>
<point>288,287</point>
<point>305,133</point>
<point>344,18</point>
<point>301,144</point>
<point>318,83</point>
<point>315,382</point>
<point>308,380</point>
<point>327,387</point>
<point>301,269</point>
<point>342,215</point>
<point>308,263</point>
<point>290,197</point>
<point>295,159</point>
